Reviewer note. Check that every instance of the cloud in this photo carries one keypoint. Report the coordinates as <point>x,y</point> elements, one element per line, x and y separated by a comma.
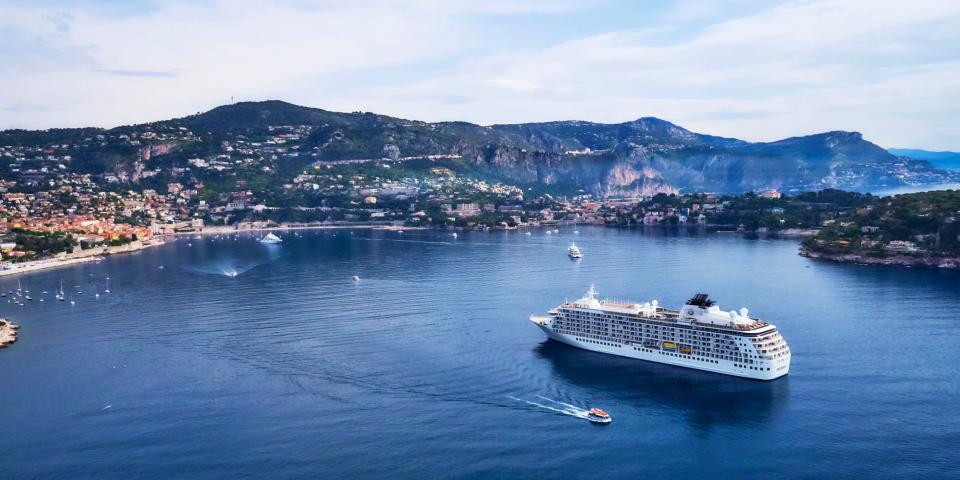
<point>884,68</point>
<point>138,73</point>
<point>740,68</point>
<point>27,107</point>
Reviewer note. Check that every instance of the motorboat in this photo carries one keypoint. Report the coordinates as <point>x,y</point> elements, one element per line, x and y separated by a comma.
<point>596,415</point>
<point>574,251</point>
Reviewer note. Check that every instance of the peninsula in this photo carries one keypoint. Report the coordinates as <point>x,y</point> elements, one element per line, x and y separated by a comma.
<point>919,229</point>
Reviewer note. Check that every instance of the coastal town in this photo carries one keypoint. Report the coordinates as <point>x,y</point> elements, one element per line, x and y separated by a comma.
<point>95,192</point>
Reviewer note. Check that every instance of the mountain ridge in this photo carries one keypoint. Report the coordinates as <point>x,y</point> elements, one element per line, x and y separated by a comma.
<point>946,160</point>
<point>639,157</point>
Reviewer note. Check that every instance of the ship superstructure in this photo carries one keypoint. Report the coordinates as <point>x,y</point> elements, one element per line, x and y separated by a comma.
<point>699,336</point>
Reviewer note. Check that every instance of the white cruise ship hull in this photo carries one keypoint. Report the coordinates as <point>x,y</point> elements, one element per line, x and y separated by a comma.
<point>778,368</point>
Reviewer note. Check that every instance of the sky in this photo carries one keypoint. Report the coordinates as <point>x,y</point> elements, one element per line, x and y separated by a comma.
<point>756,70</point>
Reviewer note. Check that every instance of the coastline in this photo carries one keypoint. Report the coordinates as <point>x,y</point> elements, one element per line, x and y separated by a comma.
<point>83,256</point>
<point>8,333</point>
<point>240,228</point>
<point>892,260</point>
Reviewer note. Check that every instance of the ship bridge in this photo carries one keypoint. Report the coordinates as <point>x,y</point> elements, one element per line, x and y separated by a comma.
<point>702,309</point>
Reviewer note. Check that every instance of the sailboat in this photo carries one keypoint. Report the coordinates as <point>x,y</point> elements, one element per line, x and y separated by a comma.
<point>60,294</point>
<point>107,290</point>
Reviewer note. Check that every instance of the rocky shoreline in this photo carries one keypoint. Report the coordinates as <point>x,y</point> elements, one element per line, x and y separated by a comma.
<point>890,260</point>
<point>8,333</point>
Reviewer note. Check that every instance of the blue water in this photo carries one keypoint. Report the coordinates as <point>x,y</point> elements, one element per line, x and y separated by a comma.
<point>428,368</point>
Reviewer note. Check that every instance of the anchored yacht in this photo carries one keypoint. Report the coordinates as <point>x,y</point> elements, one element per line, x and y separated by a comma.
<point>271,238</point>
<point>574,252</point>
<point>699,336</point>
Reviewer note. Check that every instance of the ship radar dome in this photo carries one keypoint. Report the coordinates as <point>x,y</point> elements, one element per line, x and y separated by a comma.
<point>654,303</point>
<point>744,312</point>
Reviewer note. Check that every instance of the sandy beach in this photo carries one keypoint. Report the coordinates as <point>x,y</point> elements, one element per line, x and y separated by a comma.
<point>84,256</point>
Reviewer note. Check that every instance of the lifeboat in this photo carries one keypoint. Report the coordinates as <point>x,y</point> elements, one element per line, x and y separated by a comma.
<point>685,349</point>
<point>598,416</point>
<point>669,346</point>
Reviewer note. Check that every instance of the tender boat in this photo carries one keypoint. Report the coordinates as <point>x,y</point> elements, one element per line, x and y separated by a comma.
<point>271,238</point>
<point>598,416</point>
<point>574,252</point>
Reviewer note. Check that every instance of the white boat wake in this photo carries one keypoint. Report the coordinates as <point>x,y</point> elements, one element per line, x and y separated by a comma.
<point>557,407</point>
<point>227,268</point>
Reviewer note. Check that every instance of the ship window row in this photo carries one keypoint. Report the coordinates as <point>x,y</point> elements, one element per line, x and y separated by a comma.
<point>752,368</point>
<point>647,322</point>
<point>598,342</point>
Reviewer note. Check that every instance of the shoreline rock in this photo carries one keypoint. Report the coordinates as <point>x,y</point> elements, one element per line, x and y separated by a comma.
<point>8,333</point>
<point>891,260</point>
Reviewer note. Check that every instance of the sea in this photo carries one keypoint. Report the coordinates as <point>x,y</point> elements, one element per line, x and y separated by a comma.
<point>221,357</point>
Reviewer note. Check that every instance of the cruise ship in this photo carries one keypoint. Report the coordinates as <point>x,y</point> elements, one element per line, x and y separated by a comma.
<point>699,336</point>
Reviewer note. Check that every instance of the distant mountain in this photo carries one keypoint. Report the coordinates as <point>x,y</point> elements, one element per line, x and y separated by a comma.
<point>944,160</point>
<point>641,157</point>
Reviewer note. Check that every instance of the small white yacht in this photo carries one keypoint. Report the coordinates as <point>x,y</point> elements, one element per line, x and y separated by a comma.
<point>574,252</point>
<point>271,238</point>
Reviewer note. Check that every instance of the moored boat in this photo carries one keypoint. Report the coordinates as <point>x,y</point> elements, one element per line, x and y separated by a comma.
<point>271,238</point>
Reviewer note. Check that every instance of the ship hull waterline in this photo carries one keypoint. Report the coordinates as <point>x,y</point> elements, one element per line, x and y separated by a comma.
<point>637,352</point>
